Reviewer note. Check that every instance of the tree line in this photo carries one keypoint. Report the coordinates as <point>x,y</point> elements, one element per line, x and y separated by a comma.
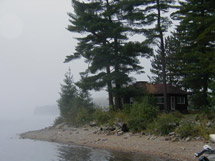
<point>185,58</point>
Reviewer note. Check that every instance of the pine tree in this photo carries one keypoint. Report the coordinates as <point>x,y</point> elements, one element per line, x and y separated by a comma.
<point>73,100</point>
<point>174,63</point>
<point>111,57</point>
<point>68,95</point>
<point>198,28</point>
<point>154,14</point>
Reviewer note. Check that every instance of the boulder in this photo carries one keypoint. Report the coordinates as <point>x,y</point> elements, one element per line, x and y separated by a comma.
<point>93,123</point>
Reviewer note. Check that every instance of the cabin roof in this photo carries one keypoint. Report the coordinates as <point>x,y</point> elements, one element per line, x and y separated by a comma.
<point>158,88</point>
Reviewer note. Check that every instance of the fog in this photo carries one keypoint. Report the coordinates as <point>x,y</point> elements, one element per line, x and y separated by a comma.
<point>34,44</point>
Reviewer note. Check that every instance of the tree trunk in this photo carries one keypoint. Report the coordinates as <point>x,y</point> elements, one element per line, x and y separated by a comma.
<point>205,91</point>
<point>118,104</point>
<point>110,94</point>
<point>163,56</point>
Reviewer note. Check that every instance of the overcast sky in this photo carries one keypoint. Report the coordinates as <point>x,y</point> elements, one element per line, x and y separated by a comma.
<point>33,46</point>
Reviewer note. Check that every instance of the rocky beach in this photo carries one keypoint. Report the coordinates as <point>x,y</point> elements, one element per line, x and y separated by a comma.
<point>160,146</point>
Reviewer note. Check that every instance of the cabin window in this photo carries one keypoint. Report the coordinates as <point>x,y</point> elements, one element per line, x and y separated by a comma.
<point>180,100</point>
<point>131,100</point>
<point>160,100</point>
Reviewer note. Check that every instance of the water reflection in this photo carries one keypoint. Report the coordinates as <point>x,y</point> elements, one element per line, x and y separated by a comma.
<point>79,153</point>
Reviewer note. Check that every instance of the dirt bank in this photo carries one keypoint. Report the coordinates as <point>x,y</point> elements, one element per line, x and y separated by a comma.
<point>127,142</point>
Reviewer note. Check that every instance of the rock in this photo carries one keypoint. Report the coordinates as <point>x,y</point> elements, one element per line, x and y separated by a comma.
<point>93,123</point>
<point>119,133</point>
<point>142,133</point>
<point>198,138</point>
<point>125,137</point>
<point>59,126</point>
<point>167,138</point>
<point>174,139</point>
<point>172,133</point>
<point>187,139</point>
<point>124,128</point>
<point>110,128</point>
<point>209,124</point>
<point>104,140</point>
<point>183,148</point>
<point>85,129</point>
<point>119,124</point>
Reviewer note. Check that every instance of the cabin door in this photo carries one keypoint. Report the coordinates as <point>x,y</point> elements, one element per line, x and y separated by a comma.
<point>172,102</point>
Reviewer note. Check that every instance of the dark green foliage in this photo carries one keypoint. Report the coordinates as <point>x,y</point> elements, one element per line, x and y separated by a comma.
<point>164,124</point>
<point>158,24</point>
<point>105,47</point>
<point>174,63</point>
<point>187,129</point>
<point>75,105</point>
<point>59,120</point>
<point>197,30</point>
<point>141,113</point>
<point>102,117</point>
<point>68,95</point>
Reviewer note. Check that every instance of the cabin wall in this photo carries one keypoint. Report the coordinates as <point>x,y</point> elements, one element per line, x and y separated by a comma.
<point>177,105</point>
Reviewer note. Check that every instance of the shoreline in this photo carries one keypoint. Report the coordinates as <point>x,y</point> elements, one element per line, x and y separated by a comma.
<point>127,142</point>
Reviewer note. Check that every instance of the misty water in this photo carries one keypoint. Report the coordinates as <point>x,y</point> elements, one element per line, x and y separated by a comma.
<point>12,148</point>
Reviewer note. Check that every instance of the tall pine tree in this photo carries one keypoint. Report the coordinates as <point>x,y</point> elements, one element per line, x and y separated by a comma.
<point>105,47</point>
<point>154,14</point>
<point>198,27</point>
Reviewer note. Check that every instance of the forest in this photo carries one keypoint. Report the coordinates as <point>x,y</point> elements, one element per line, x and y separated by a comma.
<point>179,39</point>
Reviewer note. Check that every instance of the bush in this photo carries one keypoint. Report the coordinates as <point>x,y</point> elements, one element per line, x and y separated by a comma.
<point>187,129</point>
<point>101,117</point>
<point>58,120</point>
<point>207,112</point>
<point>83,116</point>
<point>164,124</point>
<point>141,114</point>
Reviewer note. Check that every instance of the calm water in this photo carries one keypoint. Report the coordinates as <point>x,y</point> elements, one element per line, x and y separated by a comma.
<point>12,148</point>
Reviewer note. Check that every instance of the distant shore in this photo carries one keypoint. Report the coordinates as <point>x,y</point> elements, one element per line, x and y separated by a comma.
<point>127,142</point>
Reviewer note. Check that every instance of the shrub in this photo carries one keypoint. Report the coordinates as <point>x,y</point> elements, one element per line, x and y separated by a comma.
<point>58,120</point>
<point>141,114</point>
<point>208,112</point>
<point>101,117</point>
<point>164,124</point>
<point>83,116</point>
<point>188,129</point>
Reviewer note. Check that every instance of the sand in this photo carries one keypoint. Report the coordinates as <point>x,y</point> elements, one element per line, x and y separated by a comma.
<point>127,142</point>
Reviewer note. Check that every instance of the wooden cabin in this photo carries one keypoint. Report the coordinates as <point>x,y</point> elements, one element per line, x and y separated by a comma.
<point>176,98</point>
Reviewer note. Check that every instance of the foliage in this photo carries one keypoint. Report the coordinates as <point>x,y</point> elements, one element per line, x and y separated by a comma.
<point>196,125</point>
<point>164,124</point>
<point>105,47</point>
<point>75,105</point>
<point>68,95</point>
<point>141,113</point>
<point>59,120</point>
<point>197,34</point>
<point>83,116</point>
<point>206,113</point>
<point>102,117</point>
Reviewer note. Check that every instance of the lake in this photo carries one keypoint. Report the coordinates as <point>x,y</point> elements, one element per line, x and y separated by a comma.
<point>12,148</point>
